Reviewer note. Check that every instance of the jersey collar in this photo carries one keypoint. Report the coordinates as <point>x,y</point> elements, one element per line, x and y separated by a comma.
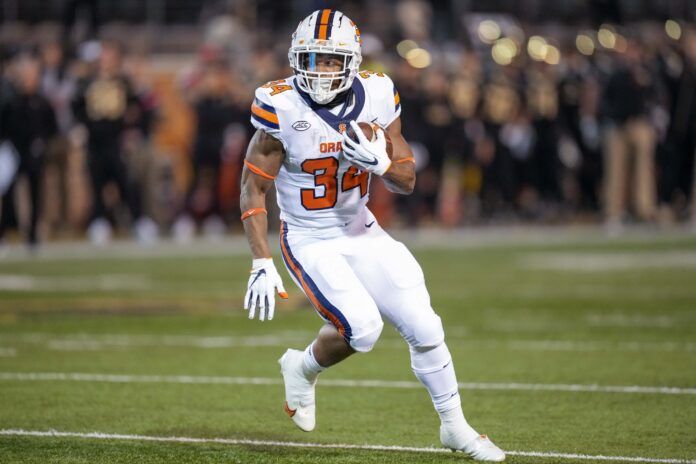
<point>331,119</point>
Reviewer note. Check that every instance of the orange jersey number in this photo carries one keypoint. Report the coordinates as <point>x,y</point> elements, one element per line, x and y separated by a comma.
<point>277,87</point>
<point>324,171</point>
<point>365,74</point>
<point>353,178</point>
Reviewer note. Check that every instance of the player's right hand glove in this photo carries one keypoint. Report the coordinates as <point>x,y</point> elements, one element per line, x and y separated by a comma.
<point>263,282</point>
<point>366,155</point>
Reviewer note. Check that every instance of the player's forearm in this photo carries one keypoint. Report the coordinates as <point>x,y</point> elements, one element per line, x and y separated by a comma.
<point>256,225</point>
<point>256,230</point>
<point>400,177</point>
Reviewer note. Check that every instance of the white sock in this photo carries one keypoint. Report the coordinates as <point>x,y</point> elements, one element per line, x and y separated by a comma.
<point>434,369</point>
<point>310,367</point>
<point>454,419</point>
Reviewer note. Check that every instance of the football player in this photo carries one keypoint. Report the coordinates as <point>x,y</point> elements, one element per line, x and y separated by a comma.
<point>352,271</point>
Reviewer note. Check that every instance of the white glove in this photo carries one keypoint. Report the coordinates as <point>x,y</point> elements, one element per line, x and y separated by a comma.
<point>263,282</point>
<point>366,155</point>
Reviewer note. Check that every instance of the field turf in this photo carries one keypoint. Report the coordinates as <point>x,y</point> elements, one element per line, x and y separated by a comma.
<point>156,345</point>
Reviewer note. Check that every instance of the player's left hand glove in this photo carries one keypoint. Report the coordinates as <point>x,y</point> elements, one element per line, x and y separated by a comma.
<point>366,155</point>
<point>263,282</point>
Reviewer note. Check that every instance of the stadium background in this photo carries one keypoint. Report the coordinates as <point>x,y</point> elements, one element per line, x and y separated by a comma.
<point>518,111</point>
<point>569,310</point>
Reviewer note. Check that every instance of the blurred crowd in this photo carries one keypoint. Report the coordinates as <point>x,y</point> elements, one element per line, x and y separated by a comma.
<point>509,120</point>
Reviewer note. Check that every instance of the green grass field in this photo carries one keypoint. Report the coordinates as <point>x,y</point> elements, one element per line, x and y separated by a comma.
<point>169,353</point>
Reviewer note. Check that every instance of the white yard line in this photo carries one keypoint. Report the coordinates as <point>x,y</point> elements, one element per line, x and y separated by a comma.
<point>293,444</point>
<point>190,379</point>
<point>561,345</point>
<point>91,342</point>
<point>428,238</point>
<point>7,352</point>
<point>73,283</point>
<point>615,261</point>
<point>592,345</point>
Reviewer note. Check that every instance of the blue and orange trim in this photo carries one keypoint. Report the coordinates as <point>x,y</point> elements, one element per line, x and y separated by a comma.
<point>323,306</point>
<point>265,114</point>
<point>331,119</point>
<point>324,24</point>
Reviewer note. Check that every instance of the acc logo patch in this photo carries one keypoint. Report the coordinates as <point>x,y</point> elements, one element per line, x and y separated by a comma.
<point>301,125</point>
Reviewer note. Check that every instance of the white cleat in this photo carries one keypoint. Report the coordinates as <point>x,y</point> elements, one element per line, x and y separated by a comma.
<point>299,392</point>
<point>480,448</point>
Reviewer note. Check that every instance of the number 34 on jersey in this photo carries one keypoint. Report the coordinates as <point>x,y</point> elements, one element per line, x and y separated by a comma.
<point>316,186</point>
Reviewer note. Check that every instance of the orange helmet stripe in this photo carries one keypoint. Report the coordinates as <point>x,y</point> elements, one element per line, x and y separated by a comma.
<point>324,25</point>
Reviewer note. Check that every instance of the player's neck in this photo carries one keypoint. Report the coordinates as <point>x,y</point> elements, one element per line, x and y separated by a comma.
<point>343,97</point>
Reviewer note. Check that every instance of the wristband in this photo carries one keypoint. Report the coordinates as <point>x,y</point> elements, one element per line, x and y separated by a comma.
<point>252,212</point>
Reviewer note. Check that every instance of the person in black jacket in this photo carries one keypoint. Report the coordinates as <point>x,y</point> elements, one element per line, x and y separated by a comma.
<point>629,137</point>
<point>679,148</point>
<point>107,105</point>
<point>212,98</point>
<point>28,121</point>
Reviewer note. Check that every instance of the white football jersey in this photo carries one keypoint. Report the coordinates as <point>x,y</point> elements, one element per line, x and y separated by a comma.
<point>316,187</point>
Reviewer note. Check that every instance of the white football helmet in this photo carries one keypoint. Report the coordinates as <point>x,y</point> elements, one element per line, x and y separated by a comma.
<point>325,32</point>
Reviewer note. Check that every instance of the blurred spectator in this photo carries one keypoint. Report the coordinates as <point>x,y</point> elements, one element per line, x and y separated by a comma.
<point>578,106</point>
<point>58,85</point>
<point>543,107</point>
<point>629,154</point>
<point>415,130</point>
<point>28,122</point>
<point>438,117</point>
<point>501,107</point>
<point>499,131</point>
<point>107,106</point>
<point>212,97</point>
<point>138,152</point>
<point>679,149</point>
<point>74,9</point>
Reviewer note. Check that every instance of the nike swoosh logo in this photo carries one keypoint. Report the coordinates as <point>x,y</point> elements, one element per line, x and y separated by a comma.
<point>288,411</point>
<point>261,272</point>
<point>370,224</point>
<point>373,163</point>
<point>374,120</point>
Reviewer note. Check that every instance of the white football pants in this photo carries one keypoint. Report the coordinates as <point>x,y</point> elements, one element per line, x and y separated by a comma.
<point>357,275</point>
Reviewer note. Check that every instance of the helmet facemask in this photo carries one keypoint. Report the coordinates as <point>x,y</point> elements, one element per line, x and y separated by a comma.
<point>323,86</point>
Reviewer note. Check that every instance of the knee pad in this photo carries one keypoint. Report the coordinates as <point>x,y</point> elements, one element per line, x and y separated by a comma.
<point>430,359</point>
<point>427,332</point>
<point>367,340</point>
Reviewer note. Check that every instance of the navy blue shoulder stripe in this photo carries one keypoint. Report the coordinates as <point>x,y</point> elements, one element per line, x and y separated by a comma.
<point>265,122</point>
<point>264,106</point>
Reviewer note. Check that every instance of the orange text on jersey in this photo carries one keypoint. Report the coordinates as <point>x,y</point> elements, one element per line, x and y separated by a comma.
<point>329,147</point>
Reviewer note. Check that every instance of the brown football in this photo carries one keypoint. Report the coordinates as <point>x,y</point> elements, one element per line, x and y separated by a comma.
<point>369,130</point>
